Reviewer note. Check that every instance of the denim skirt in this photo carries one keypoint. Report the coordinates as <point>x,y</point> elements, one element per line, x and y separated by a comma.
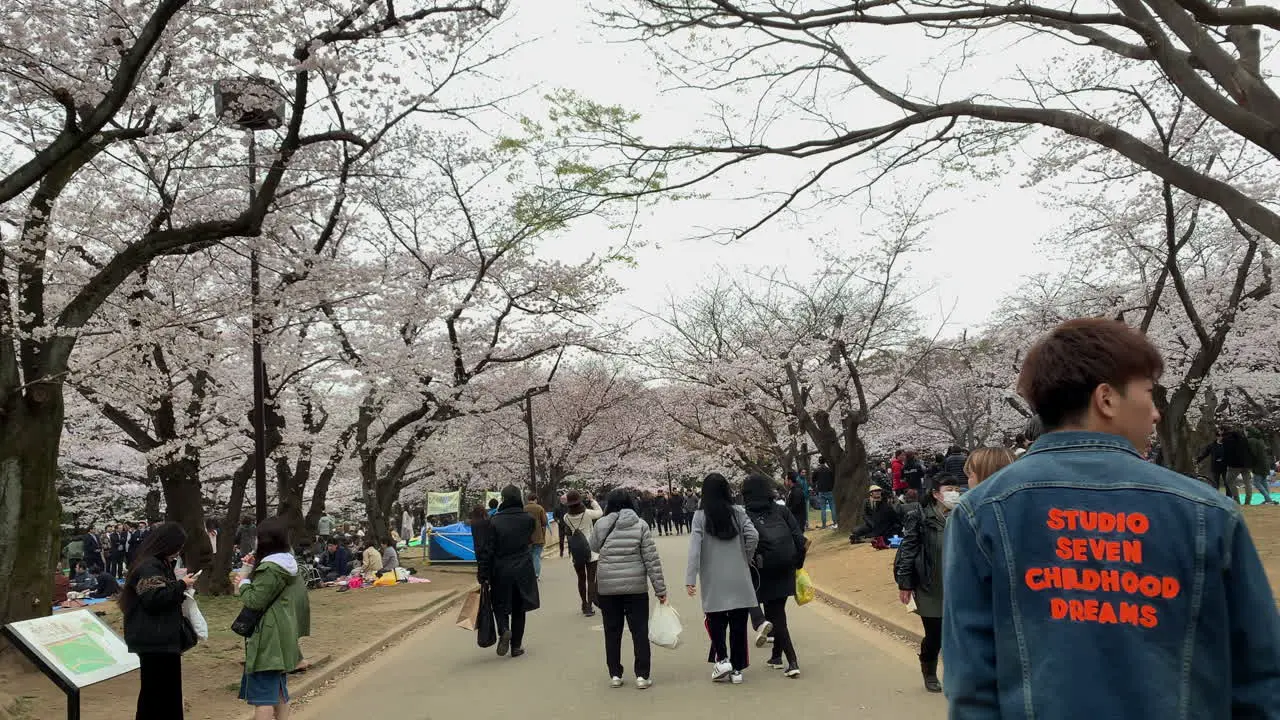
<point>264,688</point>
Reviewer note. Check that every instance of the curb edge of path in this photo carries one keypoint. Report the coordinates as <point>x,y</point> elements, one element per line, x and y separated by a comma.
<point>317,679</point>
<point>876,619</point>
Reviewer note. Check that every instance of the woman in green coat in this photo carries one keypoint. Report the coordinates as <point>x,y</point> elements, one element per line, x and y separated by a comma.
<point>272,651</point>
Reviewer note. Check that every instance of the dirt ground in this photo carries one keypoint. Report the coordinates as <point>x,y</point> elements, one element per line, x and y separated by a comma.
<point>864,576</point>
<point>211,671</point>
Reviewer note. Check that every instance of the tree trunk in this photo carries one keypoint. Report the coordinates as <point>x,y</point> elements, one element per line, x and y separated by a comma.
<point>852,481</point>
<point>218,581</point>
<point>290,486</point>
<point>184,504</point>
<point>379,495</point>
<point>30,433</point>
<point>318,497</point>
<point>549,492</point>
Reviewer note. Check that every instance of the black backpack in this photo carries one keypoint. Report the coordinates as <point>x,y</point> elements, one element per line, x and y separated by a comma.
<point>579,546</point>
<point>777,547</point>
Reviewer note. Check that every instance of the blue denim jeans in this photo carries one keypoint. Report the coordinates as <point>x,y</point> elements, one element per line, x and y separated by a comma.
<point>1260,483</point>
<point>536,552</point>
<point>827,502</point>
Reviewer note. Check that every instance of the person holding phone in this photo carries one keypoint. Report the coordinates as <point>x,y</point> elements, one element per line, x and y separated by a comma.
<point>154,628</point>
<point>272,650</point>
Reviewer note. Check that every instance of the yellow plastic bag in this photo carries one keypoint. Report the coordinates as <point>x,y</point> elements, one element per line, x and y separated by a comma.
<point>804,587</point>
<point>387,579</point>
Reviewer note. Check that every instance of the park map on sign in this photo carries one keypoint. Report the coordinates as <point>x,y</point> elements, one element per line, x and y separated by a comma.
<point>79,645</point>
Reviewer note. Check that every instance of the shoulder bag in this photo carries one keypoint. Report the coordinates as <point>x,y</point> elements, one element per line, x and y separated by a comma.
<point>246,623</point>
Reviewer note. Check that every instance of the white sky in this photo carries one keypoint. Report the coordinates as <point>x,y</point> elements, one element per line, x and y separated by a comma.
<point>979,252</point>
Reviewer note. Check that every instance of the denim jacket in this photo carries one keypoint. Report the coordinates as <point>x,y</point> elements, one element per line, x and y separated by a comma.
<point>1083,583</point>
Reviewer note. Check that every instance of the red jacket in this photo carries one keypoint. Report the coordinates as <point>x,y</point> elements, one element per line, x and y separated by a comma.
<point>895,471</point>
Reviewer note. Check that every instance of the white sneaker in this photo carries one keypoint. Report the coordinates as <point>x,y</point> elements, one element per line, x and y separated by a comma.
<point>643,683</point>
<point>615,682</point>
<point>762,635</point>
<point>737,677</point>
<point>721,670</point>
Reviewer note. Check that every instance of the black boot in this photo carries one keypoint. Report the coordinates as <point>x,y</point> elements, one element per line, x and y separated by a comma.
<point>930,672</point>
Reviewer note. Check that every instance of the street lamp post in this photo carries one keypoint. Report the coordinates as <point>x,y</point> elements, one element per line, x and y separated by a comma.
<point>252,104</point>
<point>533,466</point>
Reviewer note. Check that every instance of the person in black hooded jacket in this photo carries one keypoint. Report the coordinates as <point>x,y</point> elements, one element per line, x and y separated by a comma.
<point>777,581</point>
<point>504,563</point>
<point>154,627</point>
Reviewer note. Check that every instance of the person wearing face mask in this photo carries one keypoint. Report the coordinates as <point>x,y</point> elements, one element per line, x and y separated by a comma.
<point>918,567</point>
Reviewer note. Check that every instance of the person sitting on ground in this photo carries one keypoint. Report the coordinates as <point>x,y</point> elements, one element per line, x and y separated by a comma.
<point>81,579</point>
<point>105,584</point>
<point>371,561</point>
<point>390,558</point>
<point>880,518</point>
<point>61,585</point>
<point>336,561</point>
<point>1183,622</point>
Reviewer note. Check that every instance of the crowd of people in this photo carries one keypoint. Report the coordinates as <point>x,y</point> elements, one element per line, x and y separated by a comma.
<point>743,559</point>
<point>1071,556</point>
<point>1068,560</point>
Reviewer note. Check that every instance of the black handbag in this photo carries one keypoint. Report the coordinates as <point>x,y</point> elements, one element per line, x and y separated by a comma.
<point>187,637</point>
<point>246,623</point>
<point>486,626</point>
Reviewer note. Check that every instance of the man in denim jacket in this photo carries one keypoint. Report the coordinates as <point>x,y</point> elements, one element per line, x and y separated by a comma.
<point>1083,583</point>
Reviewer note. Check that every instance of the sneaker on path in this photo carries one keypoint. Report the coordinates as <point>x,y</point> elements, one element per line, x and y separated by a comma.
<point>793,671</point>
<point>721,670</point>
<point>504,643</point>
<point>762,635</point>
<point>776,663</point>
<point>737,677</point>
<point>643,683</point>
<point>615,682</point>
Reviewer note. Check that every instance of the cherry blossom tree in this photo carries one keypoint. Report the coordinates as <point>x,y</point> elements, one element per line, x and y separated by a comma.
<point>808,66</point>
<point>91,142</point>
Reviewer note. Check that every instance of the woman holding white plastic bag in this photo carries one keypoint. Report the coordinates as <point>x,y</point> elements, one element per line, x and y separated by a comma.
<point>628,557</point>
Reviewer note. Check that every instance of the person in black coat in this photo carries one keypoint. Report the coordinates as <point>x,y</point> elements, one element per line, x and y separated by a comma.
<point>154,627</point>
<point>880,519</point>
<point>1239,458</point>
<point>505,565</point>
<point>93,548</point>
<point>1217,454</point>
<point>795,500</point>
<point>777,582</point>
<point>953,463</point>
<point>117,554</point>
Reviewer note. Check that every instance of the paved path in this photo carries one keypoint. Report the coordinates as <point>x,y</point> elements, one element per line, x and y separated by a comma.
<point>849,670</point>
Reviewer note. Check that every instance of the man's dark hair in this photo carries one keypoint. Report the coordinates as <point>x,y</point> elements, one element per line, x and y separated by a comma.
<point>493,503</point>
<point>1064,367</point>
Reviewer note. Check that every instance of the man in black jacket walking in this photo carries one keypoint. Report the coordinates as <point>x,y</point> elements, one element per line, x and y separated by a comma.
<point>1217,454</point>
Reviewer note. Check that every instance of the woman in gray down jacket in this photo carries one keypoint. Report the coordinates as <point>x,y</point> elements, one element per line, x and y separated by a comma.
<point>721,546</point>
<point>628,558</point>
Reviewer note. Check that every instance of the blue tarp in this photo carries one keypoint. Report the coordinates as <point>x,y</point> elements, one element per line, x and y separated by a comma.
<point>452,542</point>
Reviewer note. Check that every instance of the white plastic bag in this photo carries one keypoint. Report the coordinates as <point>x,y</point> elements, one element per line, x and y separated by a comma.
<point>192,613</point>
<point>664,626</point>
